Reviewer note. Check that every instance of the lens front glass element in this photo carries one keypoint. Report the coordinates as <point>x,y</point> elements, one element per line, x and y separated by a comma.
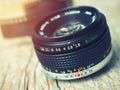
<point>67,23</point>
<point>68,29</point>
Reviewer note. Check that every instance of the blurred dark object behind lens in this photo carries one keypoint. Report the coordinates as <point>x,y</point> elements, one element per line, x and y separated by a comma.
<point>36,10</point>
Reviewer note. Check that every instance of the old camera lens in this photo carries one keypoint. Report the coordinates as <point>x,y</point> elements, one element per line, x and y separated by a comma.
<point>73,42</point>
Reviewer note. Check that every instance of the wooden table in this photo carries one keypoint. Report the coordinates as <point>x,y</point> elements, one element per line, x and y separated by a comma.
<point>20,68</point>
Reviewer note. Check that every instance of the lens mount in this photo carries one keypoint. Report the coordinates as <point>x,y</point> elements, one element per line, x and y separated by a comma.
<point>72,40</point>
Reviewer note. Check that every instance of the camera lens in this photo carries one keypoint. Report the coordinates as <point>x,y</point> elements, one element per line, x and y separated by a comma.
<point>73,42</point>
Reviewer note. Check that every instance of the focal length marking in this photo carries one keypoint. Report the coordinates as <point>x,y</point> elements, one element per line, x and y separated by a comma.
<point>59,49</point>
<point>69,46</point>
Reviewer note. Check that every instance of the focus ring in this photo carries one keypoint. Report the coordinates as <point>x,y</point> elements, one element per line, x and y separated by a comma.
<point>63,62</point>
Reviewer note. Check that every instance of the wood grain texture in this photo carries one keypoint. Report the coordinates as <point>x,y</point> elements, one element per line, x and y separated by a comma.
<point>21,70</point>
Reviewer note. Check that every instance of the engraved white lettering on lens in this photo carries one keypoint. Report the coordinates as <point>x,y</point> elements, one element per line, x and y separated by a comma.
<point>78,44</point>
<point>44,25</point>
<point>52,49</point>
<point>68,47</point>
<point>46,49</point>
<point>88,13</point>
<point>93,19</point>
<point>41,33</point>
<point>55,17</point>
<point>64,48</point>
<point>42,49</point>
<point>72,12</point>
<point>58,49</point>
<point>71,47</point>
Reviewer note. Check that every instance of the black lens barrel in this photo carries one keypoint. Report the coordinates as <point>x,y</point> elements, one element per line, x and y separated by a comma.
<point>81,49</point>
<point>93,31</point>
